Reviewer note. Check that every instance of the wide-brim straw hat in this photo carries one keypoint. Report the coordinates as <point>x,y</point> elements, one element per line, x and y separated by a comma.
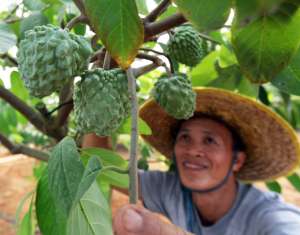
<point>272,145</point>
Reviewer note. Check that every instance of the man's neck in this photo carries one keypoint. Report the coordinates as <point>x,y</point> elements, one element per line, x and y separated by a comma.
<point>214,205</point>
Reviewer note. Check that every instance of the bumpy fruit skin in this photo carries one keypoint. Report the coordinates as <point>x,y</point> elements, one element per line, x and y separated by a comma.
<point>186,47</point>
<point>101,101</point>
<point>49,57</point>
<point>175,95</point>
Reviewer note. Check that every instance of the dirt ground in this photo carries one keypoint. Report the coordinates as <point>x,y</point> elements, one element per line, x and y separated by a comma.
<point>16,180</point>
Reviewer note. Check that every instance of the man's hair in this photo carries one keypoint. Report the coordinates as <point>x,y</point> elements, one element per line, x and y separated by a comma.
<point>237,142</point>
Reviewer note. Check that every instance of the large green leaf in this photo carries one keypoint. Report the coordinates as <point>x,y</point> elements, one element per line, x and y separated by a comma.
<point>35,19</point>
<point>50,220</point>
<point>17,86</point>
<point>288,80</point>
<point>205,14</point>
<point>7,38</point>
<point>89,176</point>
<point>266,45</point>
<point>118,26</point>
<point>65,173</point>
<point>91,216</point>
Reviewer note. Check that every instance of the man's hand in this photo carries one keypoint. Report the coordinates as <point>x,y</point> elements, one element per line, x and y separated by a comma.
<point>136,220</point>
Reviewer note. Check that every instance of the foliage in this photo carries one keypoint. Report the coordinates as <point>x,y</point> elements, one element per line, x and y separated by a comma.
<point>253,50</point>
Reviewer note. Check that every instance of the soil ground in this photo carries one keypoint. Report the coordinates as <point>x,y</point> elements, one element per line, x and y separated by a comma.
<point>16,180</point>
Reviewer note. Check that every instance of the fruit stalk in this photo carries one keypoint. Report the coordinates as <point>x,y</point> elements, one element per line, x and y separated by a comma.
<point>133,178</point>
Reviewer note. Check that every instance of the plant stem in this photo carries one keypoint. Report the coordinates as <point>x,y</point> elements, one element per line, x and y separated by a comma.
<point>163,5</point>
<point>133,177</point>
<point>76,20</point>
<point>107,59</point>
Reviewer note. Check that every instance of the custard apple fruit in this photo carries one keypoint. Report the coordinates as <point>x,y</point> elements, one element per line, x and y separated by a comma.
<point>101,102</point>
<point>49,57</point>
<point>186,47</point>
<point>175,95</point>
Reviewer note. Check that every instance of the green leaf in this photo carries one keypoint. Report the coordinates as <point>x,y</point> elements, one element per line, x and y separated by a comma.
<point>35,19</point>
<point>65,173</point>
<point>21,206</point>
<point>91,215</point>
<point>90,174</point>
<point>17,86</point>
<point>228,77</point>
<point>109,158</point>
<point>27,225</point>
<point>34,5</point>
<point>119,27</point>
<point>295,181</point>
<point>50,220</point>
<point>142,6</point>
<point>265,46</point>
<point>143,128</point>
<point>7,38</point>
<point>274,186</point>
<point>288,80</point>
<point>205,72</point>
<point>204,14</point>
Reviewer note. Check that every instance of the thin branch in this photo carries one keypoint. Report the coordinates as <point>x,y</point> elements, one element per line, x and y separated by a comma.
<point>76,20</point>
<point>107,60</point>
<point>133,177</point>
<point>10,59</point>
<point>144,69</point>
<point>65,96</point>
<point>60,106</point>
<point>12,12</point>
<point>16,148</point>
<point>34,117</point>
<point>161,7</point>
<point>155,60</point>
<point>155,28</point>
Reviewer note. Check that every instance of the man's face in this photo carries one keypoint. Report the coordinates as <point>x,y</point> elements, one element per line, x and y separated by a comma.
<point>203,150</point>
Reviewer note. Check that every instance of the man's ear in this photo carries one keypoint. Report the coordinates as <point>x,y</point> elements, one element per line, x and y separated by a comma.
<point>239,161</point>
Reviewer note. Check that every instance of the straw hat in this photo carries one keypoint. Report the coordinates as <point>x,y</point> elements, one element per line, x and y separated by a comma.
<point>272,146</point>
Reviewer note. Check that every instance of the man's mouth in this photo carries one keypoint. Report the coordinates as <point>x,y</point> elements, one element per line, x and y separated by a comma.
<point>195,166</point>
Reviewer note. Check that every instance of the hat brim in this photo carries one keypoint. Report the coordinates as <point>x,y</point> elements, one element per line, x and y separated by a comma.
<point>272,146</point>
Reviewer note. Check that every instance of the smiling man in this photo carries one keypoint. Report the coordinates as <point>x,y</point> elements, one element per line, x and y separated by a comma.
<point>229,142</point>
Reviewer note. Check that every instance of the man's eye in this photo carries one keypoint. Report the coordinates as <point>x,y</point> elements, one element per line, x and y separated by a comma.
<point>209,140</point>
<point>184,138</point>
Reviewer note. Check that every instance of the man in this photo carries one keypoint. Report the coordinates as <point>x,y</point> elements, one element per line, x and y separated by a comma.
<point>230,141</point>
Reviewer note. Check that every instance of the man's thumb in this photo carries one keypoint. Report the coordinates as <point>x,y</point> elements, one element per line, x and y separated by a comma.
<point>133,221</point>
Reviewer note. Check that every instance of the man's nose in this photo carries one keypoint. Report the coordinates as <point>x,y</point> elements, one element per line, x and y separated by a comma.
<point>197,150</point>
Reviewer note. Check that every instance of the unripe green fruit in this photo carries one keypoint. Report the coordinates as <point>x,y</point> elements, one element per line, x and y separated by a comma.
<point>186,47</point>
<point>175,95</point>
<point>49,57</point>
<point>101,102</point>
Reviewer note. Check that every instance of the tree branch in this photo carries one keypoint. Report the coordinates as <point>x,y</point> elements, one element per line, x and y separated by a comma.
<point>17,148</point>
<point>144,69</point>
<point>155,60</point>
<point>155,28</point>
<point>76,20</point>
<point>34,117</point>
<point>63,113</point>
<point>161,7</point>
